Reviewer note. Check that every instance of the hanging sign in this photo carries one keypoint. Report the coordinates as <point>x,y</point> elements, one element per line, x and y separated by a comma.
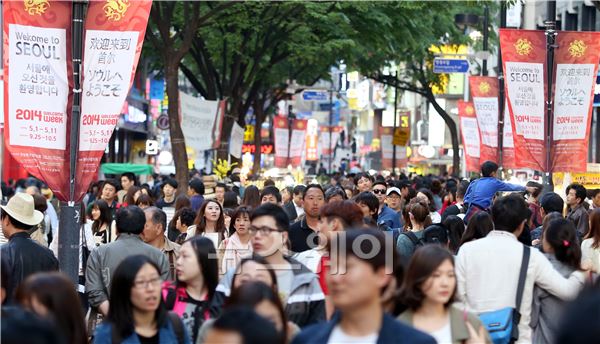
<point>485,100</point>
<point>469,130</point>
<point>281,133</point>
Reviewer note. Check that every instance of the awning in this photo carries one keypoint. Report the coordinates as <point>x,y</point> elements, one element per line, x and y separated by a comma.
<point>116,168</point>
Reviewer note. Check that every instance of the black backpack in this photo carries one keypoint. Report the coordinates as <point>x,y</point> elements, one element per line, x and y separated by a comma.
<point>434,234</point>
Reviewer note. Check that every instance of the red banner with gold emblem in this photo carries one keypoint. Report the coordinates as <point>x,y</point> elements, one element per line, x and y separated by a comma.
<point>469,131</point>
<point>113,39</point>
<point>484,90</point>
<point>282,139</point>
<point>37,69</point>
<point>298,141</point>
<point>576,65</point>
<point>524,65</point>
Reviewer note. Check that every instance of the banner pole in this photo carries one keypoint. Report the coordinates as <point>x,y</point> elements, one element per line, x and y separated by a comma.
<point>551,33</point>
<point>501,95</point>
<point>68,242</point>
<point>395,124</point>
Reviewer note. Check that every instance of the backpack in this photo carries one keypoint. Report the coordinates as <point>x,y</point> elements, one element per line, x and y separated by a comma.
<point>434,234</point>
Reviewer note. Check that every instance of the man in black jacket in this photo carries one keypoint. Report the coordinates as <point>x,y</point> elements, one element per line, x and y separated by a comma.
<point>23,255</point>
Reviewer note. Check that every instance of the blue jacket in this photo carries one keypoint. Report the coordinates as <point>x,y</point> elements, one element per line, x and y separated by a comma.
<point>166,334</point>
<point>389,217</point>
<point>482,190</point>
<point>392,331</point>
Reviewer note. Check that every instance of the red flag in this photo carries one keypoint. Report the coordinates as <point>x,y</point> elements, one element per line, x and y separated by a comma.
<point>37,69</point>
<point>524,65</point>
<point>484,90</point>
<point>469,130</point>
<point>113,39</point>
<point>576,59</point>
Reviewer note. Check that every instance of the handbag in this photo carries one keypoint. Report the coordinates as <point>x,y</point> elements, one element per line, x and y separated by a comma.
<point>502,324</point>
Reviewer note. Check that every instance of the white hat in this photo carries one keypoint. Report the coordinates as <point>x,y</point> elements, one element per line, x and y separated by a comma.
<point>21,208</point>
<point>393,189</point>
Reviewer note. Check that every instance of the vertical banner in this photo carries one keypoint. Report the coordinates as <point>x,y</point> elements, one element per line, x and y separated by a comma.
<point>297,142</point>
<point>327,145</point>
<point>218,124</point>
<point>469,130</point>
<point>37,66</point>
<point>508,145</point>
<point>113,39</point>
<point>524,64</point>
<point>312,140</point>
<point>198,118</point>
<point>282,137</point>
<point>576,59</point>
<point>484,90</point>
<point>236,141</point>
<point>387,150</point>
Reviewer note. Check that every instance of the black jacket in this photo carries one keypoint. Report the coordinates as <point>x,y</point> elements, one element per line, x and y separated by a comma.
<point>25,257</point>
<point>290,210</point>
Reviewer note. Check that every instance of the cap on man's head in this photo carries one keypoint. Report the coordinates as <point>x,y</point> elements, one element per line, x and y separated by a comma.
<point>393,190</point>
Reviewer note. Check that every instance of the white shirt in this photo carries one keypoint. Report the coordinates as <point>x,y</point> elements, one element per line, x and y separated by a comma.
<point>299,210</point>
<point>443,335</point>
<point>435,217</point>
<point>590,254</point>
<point>487,273</point>
<point>338,336</point>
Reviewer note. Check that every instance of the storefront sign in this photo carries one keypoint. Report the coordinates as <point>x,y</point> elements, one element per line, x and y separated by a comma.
<point>251,148</point>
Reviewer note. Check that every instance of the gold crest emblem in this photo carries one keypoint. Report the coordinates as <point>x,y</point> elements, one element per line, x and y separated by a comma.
<point>484,87</point>
<point>115,9</point>
<point>281,123</point>
<point>300,125</point>
<point>36,7</point>
<point>469,110</point>
<point>577,48</point>
<point>523,46</point>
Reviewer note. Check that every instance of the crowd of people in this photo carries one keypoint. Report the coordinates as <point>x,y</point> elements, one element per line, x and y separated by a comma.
<point>360,259</point>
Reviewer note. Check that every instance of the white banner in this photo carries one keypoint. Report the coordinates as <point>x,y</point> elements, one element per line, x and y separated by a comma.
<point>107,67</point>
<point>297,143</point>
<point>38,88</point>
<point>525,84</point>
<point>572,100</point>
<point>387,149</point>
<point>197,121</point>
<point>281,142</point>
<point>507,134</point>
<point>236,141</point>
<point>486,109</point>
<point>470,132</point>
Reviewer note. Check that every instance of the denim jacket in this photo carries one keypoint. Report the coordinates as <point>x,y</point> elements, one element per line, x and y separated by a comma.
<point>166,334</point>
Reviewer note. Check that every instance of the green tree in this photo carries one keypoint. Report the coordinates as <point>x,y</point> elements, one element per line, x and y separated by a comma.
<point>170,32</point>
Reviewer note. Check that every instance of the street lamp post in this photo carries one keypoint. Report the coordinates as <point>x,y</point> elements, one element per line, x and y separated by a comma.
<point>395,121</point>
<point>331,128</point>
<point>486,19</point>
<point>550,24</point>
<point>501,88</point>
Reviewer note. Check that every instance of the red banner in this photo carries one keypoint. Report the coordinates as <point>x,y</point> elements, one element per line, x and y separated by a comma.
<point>297,141</point>
<point>576,65</point>
<point>484,90</point>
<point>327,141</point>
<point>282,138</point>
<point>524,65</point>
<point>37,69</point>
<point>113,39</point>
<point>387,150</point>
<point>469,130</point>
<point>508,144</point>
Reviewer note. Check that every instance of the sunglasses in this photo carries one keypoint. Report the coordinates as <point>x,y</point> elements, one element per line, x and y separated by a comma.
<point>379,191</point>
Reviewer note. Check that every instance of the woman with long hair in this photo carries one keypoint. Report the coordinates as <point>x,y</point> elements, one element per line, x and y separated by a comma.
<point>456,228</point>
<point>144,201</point>
<point>210,222</point>
<point>251,197</point>
<point>181,202</point>
<point>559,243</point>
<point>52,296</point>
<point>137,313</point>
<point>590,247</point>
<point>197,278</point>
<point>419,219</point>
<point>102,223</point>
<point>427,196</point>
<point>238,245</point>
<point>132,195</point>
<point>478,227</point>
<point>428,291</point>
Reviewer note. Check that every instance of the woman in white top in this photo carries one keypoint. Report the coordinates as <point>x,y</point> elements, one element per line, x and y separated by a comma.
<point>238,245</point>
<point>590,247</point>
<point>428,292</point>
<point>210,223</point>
